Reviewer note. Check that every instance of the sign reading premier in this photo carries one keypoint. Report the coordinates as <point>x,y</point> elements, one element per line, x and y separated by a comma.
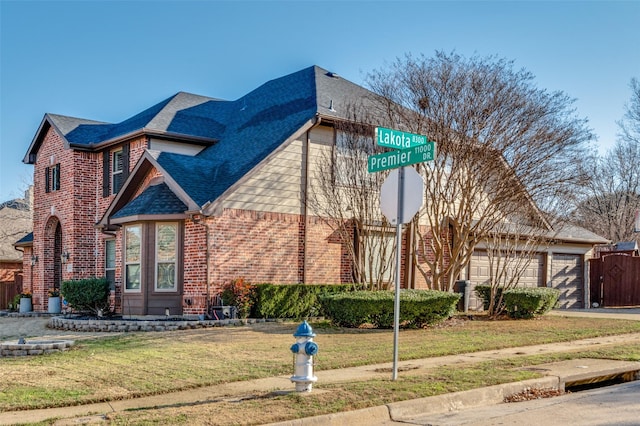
<point>406,157</point>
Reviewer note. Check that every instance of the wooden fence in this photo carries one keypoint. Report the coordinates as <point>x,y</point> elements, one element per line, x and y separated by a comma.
<point>615,281</point>
<point>9,290</point>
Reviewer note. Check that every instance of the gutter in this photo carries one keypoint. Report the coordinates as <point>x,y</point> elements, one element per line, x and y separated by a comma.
<point>144,132</point>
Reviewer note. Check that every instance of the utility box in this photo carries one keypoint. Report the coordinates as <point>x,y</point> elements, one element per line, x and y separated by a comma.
<point>224,312</point>
<point>463,287</point>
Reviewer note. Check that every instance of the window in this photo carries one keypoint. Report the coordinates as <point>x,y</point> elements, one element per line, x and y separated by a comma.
<point>115,169</point>
<point>110,262</point>
<point>133,256</point>
<point>350,162</point>
<point>379,254</point>
<point>52,178</point>
<point>117,174</point>
<point>166,256</point>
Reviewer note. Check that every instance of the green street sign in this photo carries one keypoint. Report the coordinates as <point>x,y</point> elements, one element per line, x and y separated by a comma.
<point>398,140</point>
<point>406,157</point>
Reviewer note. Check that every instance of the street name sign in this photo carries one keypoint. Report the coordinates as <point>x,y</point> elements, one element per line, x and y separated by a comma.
<point>397,139</point>
<point>405,157</point>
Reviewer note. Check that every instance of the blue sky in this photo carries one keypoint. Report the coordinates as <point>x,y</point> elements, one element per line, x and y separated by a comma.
<point>108,60</point>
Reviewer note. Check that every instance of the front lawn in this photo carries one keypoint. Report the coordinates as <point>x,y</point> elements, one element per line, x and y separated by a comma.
<point>139,364</point>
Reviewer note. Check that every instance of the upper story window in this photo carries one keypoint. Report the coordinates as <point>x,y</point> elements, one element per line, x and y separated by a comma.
<point>117,161</point>
<point>350,161</point>
<point>115,169</point>
<point>52,178</point>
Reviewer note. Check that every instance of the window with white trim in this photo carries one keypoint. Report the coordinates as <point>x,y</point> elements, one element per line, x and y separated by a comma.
<point>166,256</point>
<point>117,170</point>
<point>133,257</point>
<point>110,262</point>
<point>350,161</point>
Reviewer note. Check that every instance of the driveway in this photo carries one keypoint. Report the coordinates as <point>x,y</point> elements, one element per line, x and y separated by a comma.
<point>12,328</point>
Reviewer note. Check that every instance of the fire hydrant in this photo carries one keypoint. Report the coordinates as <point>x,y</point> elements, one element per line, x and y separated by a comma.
<point>304,349</point>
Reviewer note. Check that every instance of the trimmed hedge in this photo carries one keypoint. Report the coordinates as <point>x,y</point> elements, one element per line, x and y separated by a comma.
<point>417,307</point>
<point>89,295</point>
<point>529,302</point>
<point>484,292</point>
<point>292,301</point>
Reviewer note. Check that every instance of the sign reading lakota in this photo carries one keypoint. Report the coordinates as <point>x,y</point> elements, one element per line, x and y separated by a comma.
<point>409,148</point>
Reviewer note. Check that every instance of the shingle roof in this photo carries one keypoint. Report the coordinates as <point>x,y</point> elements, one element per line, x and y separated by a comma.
<point>626,245</point>
<point>27,240</point>
<point>155,200</point>
<point>256,124</point>
<point>167,116</point>
<point>568,232</point>
<point>246,130</point>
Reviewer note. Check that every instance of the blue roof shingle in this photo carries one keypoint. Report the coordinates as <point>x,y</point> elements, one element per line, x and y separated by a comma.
<point>155,200</point>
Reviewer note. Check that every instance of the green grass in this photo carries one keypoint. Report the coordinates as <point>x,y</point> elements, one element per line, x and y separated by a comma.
<point>138,364</point>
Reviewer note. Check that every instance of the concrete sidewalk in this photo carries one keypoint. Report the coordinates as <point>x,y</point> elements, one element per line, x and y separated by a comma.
<point>374,415</point>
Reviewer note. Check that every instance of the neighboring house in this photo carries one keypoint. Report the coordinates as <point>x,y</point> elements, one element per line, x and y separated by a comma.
<point>194,192</point>
<point>15,223</point>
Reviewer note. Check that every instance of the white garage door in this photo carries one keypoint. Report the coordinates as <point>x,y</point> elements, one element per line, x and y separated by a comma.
<point>567,276</point>
<point>479,274</point>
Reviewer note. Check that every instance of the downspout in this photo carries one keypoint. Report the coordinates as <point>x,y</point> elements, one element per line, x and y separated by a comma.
<point>306,210</point>
<point>207,257</point>
<point>409,269</point>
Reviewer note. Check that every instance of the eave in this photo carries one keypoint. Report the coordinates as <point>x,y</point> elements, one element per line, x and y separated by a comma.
<point>128,190</point>
<point>148,217</point>
<point>169,136</point>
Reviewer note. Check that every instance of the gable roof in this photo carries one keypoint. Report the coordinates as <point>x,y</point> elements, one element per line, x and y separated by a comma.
<point>180,117</point>
<point>154,200</point>
<point>251,128</point>
<point>257,124</point>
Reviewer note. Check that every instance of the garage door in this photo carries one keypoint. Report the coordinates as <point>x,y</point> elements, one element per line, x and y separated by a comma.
<point>567,276</point>
<point>479,274</point>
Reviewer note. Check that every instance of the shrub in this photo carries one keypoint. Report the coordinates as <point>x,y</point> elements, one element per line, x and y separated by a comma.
<point>528,302</point>
<point>293,301</point>
<point>484,292</point>
<point>241,294</point>
<point>417,307</point>
<point>89,295</point>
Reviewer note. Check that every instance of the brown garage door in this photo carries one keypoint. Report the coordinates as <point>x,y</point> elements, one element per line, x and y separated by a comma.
<point>566,276</point>
<point>479,274</point>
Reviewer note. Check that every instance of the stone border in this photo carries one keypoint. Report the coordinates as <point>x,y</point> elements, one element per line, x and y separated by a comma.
<point>126,325</point>
<point>35,347</point>
<point>32,314</point>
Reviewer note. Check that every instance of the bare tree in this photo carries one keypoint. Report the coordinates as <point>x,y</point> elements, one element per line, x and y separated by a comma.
<point>505,147</point>
<point>608,203</point>
<point>630,124</point>
<point>346,197</point>
<point>15,223</point>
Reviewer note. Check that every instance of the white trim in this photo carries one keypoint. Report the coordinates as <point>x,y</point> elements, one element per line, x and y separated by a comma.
<point>112,169</point>
<point>126,263</point>
<point>175,259</point>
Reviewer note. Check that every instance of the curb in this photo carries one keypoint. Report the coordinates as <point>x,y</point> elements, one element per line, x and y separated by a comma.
<point>406,410</point>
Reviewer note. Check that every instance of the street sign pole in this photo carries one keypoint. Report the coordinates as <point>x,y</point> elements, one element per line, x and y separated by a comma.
<point>396,301</point>
<point>409,149</point>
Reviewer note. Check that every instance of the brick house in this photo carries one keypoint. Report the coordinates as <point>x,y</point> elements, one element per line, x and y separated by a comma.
<point>193,192</point>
